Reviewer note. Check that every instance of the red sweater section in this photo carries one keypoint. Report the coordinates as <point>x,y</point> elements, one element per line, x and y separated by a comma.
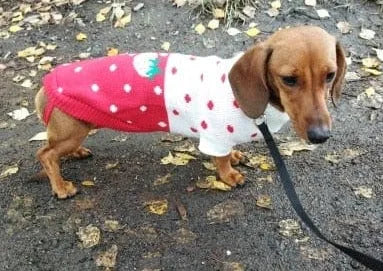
<point>124,92</point>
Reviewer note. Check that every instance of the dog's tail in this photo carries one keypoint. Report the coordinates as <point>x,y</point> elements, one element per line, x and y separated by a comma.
<point>40,103</point>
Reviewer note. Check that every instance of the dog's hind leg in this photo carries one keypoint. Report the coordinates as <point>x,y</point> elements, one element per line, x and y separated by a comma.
<point>65,135</point>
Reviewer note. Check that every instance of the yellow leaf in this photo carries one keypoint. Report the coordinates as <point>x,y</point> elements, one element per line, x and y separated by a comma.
<point>30,51</point>
<point>81,36</point>
<point>9,171</point>
<point>370,62</point>
<point>17,17</point>
<point>370,91</point>
<point>276,4</point>
<point>123,21</point>
<point>15,28</point>
<point>100,17</point>
<point>252,32</point>
<point>112,51</point>
<point>162,180</point>
<point>200,28</point>
<point>364,191</point>
<point>87,183</point>
<point>45,67</point>
<point>83,55</point>
<point>27,83</point>
<point>165,45</point>
<point>373,71</point>
<point>211,182</point>
<point>213,24</point>
<point>264,201</point>
<point>105,11</point>
<point>266,166</point>
<point>209,166</point>
<point>158,207</point>
<point>218,13</point>
<point>180,159</point>
<point>51,47</point>
<point>179,3</point>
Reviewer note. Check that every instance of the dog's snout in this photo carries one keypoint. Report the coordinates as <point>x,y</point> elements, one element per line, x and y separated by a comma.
<point>318,134</point>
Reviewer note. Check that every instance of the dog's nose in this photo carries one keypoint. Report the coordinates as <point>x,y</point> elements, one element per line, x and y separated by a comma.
<point>318,134</point>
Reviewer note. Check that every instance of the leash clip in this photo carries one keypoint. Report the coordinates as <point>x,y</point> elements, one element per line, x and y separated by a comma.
<point>261,119</point>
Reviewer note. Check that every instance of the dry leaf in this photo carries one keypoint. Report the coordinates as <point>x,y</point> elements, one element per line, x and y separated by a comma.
<point>107,258</point>
<point>364,191</point>
<point>112,51</point>
<point>84,55</point>
<point>289,227</point>
<point>180,159</point>
<point>272,12</point>
<point>27,83</point>
<point>345,155</point>
<point>179,3</point>
<point>370,62</point>
<point>344,27</point>
<point>18,78</point>
<point>323,13</point>
<point>289,148</point>
<point>100,17</point>
<point>88,183</point>
<point>264,201</point>
<point>373,71</point>
<point>370,91</point>
<point>15,28</point>
<point>232,266</point>
<point>211,182</point>
<point>367,34</point>
<point>249,11</point>
<point>30,51</point>
<point>188,146</point>
<point>276,4</point>
<point>218,13</point>
<point>233,31</point>
<point>39,137</point>
<point>81,36</point>
<point>162,180</point>
<point>172,138</point>
<point>165,46</point>
<point>213,24</point>
<point>209,166</point>
<point>123,21</point>
<point>89,236</point>
<point>200,28</point>
<point>51,47</point>
<point>111,165</point>
<point>112,225</point>
<point>181,210</point>
<point>225,211</point>
<point>158,207</point>
<point>19,114</point>
<point>379,53</point>
<point>9,171</point>
<point>252,32</point>
<point>311,3</point>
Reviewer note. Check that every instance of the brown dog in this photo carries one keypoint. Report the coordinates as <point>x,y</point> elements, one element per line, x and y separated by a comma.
<point>294,70</point>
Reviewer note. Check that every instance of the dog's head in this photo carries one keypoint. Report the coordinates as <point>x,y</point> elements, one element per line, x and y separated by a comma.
<point>295,70</point>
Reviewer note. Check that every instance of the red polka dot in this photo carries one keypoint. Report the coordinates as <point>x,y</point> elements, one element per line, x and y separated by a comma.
<point>201,76</point>
<point>218,62</point>
<point>174,70</point>
<point>254,135</point>
<point>175,112</point>
<point>223,78</point>
<point>194,130</point>
<point>204,124</point>
<point>192,58</point>
<point>187,98</point>
<point>210,105</point>
<point>230,128</point>
<point>235,103</point>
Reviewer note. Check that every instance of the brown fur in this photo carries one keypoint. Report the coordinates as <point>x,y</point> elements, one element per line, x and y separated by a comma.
<point>309,53</point>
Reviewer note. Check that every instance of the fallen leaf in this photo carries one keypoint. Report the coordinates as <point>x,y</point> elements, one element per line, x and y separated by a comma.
<point>314,253</point>
<point>249,11</point>
<point>8,171</point>
<point>179,3</point>
<point>289,148</point>
<point>165,46</point>
<point>209,166</point>
<point>289,227</point>
<point>39,137</point>
<point>122,22</point>
<point>15,28</point>
<point>181,210</point>
<point>379,53</point>
<point>27,83</point>
<point>272,12</point>
<point>30,51</point>
<point>232,266</point>
<point>112,226</point>
<point>100,17</point>
<point>352,76</point>
<point>344,27</point>
<point>225,211</point>
<point>4,35</point>
<point>89,236</point>
<point>112,51</point>
<point>370,62</point>
<point>367,34</point>
<point>19,114</point>
<point>311,3</point>
<point>264,201</point>
<point>188,146</point>
<point>51,47</point>
<point>369,91</point>
<point>107,258</point>
<point>81,36</point>
<point>213,24</point>
<point>111,165</point>
<point>276,4</point>
<point>260,161</point>
<point>162,180</point>
<point>158,207</point>
<point>184,236</point>
<point>363,191</point>
<point>180,159</point>
<point>252,32</point>
<point>88,183</point>
<point>344,155</point>
<point>218,13</point>
<point>233,31</point>
<point>172,138</point>
<point>211,182</point>
<point>18,78</point>
<point>200,28</point>
<point>323,13</point>
<point>84,55</point>
<point>138,7</point>
<point>373,71</point>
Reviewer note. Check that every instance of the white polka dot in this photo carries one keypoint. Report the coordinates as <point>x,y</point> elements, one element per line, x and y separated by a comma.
<point>157,90</point>
<point>78,69</point>
<point>60,90</point>
<point>129,122</point>
<point>162,124</point>
<point>113,108</point>
<point>95,87</point>
<point>143,108</point>
<point>127,88</point>
<point>66,64</point>
<point>113,67</point>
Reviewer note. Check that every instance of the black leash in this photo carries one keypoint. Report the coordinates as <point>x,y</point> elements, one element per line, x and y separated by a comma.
<point>368,261</point>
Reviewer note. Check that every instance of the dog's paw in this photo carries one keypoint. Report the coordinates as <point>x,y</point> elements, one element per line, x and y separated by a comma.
<point>66,190</point>
<point>233,177</point>
<point>81,153</point>
<point>235,157</point>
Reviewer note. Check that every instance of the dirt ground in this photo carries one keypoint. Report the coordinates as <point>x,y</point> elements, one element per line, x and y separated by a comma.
<point>39,232</point>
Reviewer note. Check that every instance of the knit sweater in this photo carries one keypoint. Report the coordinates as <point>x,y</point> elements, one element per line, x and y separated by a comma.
<point>149,92</point>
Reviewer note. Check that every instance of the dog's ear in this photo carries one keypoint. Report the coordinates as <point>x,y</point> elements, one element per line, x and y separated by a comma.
<point>248,79</point>
<point>336,89</point>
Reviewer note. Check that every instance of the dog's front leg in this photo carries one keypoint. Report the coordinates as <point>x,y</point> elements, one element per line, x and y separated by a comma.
<point>226,172</point>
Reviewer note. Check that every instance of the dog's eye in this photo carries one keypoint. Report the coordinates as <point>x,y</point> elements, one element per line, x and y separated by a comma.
<point>289,80</point>
<point>330,76</point>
